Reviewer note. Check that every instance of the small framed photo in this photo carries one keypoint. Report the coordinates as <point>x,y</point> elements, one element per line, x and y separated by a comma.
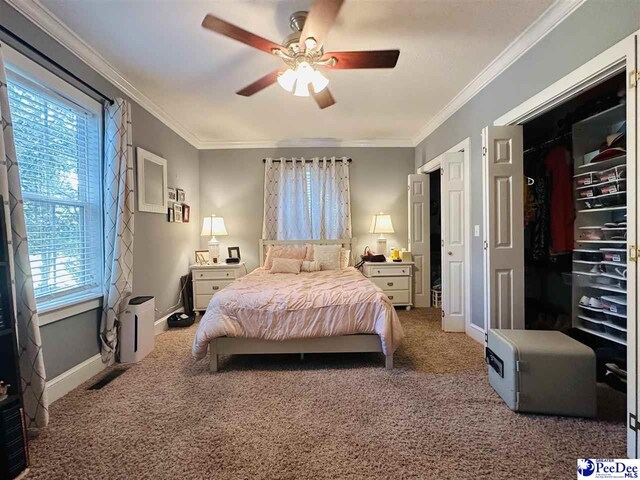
<point>170,215</point>
<point>186,213</point>
<point>177,212</point>
<point>171,194</point>
<point>202,257</point>
<point>180,195</point>
<point>234,252</point>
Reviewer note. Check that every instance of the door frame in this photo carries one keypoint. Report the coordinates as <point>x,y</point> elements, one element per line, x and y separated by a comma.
<point>432,165</point>
<point>612,61</point>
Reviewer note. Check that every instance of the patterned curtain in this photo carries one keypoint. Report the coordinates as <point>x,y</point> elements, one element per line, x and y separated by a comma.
<point>29,344</point>
<point>118,223</point>
<point>306,200</point>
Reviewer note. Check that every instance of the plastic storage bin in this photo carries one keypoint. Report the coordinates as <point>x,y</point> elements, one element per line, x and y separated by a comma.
<point>612,186</point>
<point>617,319</point>
<point>590,233</point>
<point>589,255</point>
<point>587,192</point>
<point>591,323</point>
<point>618,255</point>
<point>585,179</point>
<point>617,332</point>
<point>616,233</point>
<point>614,173</point>
<point>613,268</point>
<point>614,304</point>
<point>581,266</point>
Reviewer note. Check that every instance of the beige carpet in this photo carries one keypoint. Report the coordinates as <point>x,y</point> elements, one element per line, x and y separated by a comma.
<point>329,416</point>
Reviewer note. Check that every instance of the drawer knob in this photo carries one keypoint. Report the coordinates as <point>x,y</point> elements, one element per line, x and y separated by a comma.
<point>201,275</point>
<point>390,297</point>
<point>215,288</point>
<point>378,271</point>
<point>402,271</point>
<point>389,284</point>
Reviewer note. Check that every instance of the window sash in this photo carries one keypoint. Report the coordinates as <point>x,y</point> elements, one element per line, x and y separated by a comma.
<point>59,152</point>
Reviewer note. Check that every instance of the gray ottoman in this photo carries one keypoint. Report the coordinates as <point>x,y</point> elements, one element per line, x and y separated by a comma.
<point>539,371</point>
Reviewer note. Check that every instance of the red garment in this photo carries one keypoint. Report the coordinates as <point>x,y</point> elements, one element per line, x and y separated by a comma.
<point>562,211</point>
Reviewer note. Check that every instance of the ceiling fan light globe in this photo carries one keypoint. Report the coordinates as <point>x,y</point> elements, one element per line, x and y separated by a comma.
<point>287,80</point>
<point>319,81</point>
<point>302,88</point>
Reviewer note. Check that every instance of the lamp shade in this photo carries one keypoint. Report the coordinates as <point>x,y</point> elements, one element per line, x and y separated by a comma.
<point>381,224</point>
<point>212,226</point>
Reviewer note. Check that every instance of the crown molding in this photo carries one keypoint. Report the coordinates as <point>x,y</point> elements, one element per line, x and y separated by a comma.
<point>545,23</point>
<point>308,142</point>
<point>43,18</point>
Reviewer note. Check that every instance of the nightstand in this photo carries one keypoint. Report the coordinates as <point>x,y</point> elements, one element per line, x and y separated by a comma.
<point>210,279</point>
<point>394,278</point>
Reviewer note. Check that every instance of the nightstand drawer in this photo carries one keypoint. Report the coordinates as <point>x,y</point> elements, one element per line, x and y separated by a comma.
<point>389,271</point>
<point>391,283</point>
<point>209,287</point>
<point>400,297</point>
<point>214,274</point>
<point>201,301</point>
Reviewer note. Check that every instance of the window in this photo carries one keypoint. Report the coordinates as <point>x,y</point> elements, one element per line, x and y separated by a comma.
<point>58,148</point>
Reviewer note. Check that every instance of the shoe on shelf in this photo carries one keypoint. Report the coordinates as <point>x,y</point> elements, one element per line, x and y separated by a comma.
<point>595,303</point>
<point>584,301</point>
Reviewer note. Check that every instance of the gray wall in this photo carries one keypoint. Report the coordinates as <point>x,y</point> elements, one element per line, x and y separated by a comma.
<point>594,27</point>
<point>162,251</point>
<point>232,185</point>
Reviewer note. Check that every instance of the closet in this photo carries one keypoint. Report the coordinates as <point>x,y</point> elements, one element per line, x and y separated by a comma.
<point>575,224</point>
<point>435,236</point>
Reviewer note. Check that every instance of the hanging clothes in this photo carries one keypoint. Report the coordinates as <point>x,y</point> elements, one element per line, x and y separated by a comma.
<point>557,163</point>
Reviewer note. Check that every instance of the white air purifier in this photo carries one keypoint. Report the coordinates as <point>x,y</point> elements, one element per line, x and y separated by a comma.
<point>137,337</point>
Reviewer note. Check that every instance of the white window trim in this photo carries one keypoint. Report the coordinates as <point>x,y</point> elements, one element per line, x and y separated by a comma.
<point>66,306</point>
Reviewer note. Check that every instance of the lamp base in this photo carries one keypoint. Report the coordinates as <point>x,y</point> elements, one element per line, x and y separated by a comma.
<point>381,247</point>
<point>214,249</point>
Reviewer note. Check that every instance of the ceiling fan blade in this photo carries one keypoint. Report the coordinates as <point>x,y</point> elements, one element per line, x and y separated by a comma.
<point>229,30</point>
<point>320,20</point>
<point>260,84</point>
<point>323,98</point>
<point>365,59</point>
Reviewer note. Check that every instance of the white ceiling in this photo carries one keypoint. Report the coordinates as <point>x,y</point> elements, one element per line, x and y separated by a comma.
<point>191,74</point>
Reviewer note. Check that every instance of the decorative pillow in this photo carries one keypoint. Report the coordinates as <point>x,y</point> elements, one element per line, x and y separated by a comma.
<point>309,255</point>
<point>328,256</point>
<point>345,256</point>
<point>278,251</point>
<point>310,266</point>
<point>285,265</point>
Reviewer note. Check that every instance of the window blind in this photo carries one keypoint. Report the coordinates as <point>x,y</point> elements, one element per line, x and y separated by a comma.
<point>58,150</point>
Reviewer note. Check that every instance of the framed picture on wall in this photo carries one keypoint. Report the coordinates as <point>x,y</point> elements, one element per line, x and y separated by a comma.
<point>171,194</point>
<point>177,212</point>
<point>170,215</point>
<point>181,197</point>
<point>186,213</point>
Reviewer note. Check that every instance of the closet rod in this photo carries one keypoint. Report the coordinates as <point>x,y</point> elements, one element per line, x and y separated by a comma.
<point>548,142</point>
<point>51,61</point>
<point>288,160</point>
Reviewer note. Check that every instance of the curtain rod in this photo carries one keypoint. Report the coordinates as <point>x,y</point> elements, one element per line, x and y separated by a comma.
<point>46,57</point>
<point>288,160</point>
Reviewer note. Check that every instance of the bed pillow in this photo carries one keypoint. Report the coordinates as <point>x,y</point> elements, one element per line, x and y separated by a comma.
<point>310,266</point>
<point>285,265</point>
<point>345,256</point>
<point>309,255</point>
<point>281,251</point>
<point>328,256</point>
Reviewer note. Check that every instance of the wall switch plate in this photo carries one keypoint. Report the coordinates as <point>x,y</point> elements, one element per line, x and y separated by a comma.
<point>476,230</point>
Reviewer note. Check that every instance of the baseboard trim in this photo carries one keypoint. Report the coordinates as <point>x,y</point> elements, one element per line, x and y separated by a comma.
<point>161,324</point>
<point>59,386</point>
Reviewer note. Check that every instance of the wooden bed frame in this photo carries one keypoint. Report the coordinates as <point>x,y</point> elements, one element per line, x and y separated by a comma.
<point>359,343</point>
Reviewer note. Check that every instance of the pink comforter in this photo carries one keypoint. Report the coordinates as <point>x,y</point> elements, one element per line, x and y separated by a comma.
<point>285,306</point>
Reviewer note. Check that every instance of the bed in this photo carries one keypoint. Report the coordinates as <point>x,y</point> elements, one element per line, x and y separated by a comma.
<point>321,312</point>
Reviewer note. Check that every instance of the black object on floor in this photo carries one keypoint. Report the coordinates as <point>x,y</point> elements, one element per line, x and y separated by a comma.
<point>181,320</point>
<point>108,378</point>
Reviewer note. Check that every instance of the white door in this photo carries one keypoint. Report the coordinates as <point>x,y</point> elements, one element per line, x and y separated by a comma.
<point>418,189</point>
<point>633,221</point>
<point>453,235</point>
<point>504,226</point>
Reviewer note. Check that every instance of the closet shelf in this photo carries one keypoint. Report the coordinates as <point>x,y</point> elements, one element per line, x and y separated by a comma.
<point>601,241</point>
<point>603,209</point>
<point>603,335</point>
<point>603,165</point>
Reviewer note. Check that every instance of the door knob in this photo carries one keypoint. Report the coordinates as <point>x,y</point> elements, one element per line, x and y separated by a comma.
<point>449,253</point>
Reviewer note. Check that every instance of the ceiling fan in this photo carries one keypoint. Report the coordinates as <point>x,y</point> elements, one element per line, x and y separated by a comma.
<point>302,53</point>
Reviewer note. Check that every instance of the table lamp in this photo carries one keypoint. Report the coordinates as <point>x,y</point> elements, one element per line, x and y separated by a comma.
<point>381,224</point>
<point>212,226</point>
